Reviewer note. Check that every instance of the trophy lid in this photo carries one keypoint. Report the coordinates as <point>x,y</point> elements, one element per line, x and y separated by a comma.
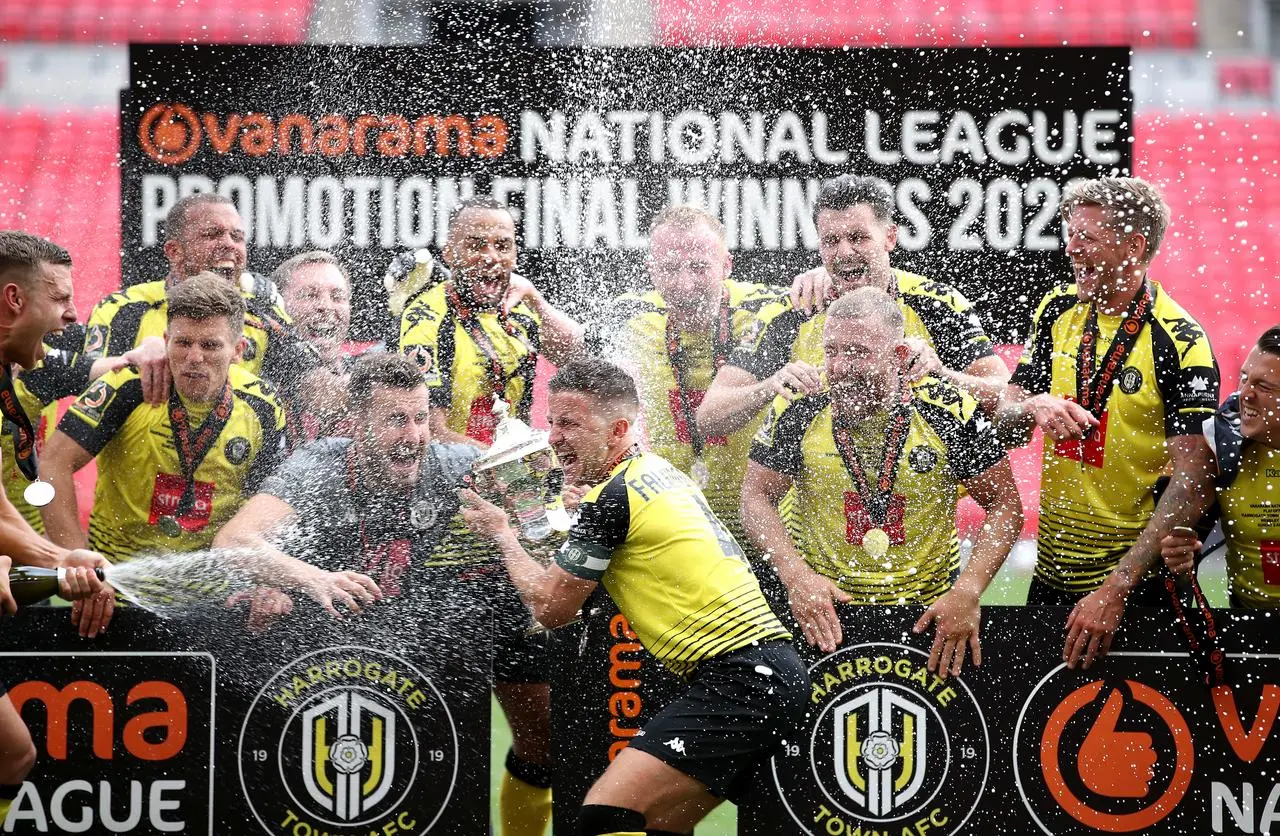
<point>512,439</point>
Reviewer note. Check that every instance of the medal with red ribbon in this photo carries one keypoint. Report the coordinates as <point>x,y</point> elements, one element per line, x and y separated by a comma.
<point>679,360</point>
<point>876,500</point>
<point>1093,385</point>
<point>192,448</point>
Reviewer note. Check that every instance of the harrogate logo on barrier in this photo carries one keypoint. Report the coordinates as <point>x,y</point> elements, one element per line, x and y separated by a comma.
<point>1113,756</point>
<point>348,737</point>
<point>172,133</point>
<point>894,748</point>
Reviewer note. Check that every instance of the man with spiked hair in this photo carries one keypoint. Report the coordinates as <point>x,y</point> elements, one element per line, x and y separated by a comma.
<point>1119,377</point>
<point>36,303</point>
<point>645,533</point>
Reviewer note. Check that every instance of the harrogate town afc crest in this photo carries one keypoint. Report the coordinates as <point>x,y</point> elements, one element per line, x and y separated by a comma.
<point>890,745</point>
<point>348,739</point>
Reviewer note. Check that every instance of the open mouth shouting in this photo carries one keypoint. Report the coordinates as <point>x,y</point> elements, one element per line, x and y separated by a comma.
<point>403,459</point>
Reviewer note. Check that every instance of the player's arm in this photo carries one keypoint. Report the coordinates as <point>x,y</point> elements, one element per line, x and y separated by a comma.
<point>561,336</point>
<point>61,460</point>
<point>985,379</point>
<point>1019,411</point>
<point>957,614</point>
<point>1178,548</point>
<point>1093,623</point>
<point>249,547</point>
<point>809,594</point>
<point>736,396</point>
<point>553,595</point>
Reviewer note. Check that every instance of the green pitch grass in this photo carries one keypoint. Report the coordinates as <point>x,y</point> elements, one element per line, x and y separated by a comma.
<point>1008,588</point>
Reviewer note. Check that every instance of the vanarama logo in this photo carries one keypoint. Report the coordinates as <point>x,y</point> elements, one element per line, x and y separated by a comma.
<point>348,738</point>
<point>894,749</point>
<point>1113,756</point>
<point>172,133</point>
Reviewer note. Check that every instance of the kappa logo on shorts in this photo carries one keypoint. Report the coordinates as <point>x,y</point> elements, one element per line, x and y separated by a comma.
<point>889,744</point>
<point>1130,380</point>
<point>348,738</point>
<point>676,744</point>
<point>237,450</point>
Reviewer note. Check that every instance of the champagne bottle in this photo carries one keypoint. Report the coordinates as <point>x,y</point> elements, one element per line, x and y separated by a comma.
<point>30,584</point>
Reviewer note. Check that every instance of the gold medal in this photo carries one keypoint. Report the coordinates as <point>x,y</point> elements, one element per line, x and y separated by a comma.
<point>170,526</point>
<point>701,475</point>
<point>876,543</point>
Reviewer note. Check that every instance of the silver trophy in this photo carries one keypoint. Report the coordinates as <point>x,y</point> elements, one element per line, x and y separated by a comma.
<point>520,473</point>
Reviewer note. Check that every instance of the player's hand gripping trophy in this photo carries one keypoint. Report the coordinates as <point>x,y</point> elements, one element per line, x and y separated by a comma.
<point>519,473</point>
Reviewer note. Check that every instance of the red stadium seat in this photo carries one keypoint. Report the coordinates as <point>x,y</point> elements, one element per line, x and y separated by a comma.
<point>1145,23</point>
<point>156,21</point>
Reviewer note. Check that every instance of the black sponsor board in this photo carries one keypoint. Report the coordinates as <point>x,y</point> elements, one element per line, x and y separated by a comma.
<point>1022,745</point>
<point>193,725</point>
<point>364,150</point>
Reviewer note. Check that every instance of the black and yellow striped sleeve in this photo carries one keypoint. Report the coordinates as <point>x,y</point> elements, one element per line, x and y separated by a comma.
<point>1034,374</point>
<point>953,325</point>
<point>604,519</point>
<point>970,437</point>
<point>1186,371</point>
<point>113,325</point>
<point>769,348</point>
<point>777,444</point>
<point>98,414</point>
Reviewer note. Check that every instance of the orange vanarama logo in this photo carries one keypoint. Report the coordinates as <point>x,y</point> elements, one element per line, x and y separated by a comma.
<point>172,133</point>
<point>1116,764</point>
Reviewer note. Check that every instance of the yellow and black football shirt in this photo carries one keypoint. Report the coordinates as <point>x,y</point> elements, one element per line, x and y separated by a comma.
<point>140,478</point>
<point>1251,523</point>
<point>1096,496</point>
<point>61,374</point>
<point>949,441</point>
<point>647,534</point>
<point>642,343</point>
<point>437,334</point>
<point>272,351</point>
<point>936,313</point>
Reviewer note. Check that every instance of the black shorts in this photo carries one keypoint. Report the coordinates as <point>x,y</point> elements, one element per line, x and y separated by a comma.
<point>1150,592</point>
<point>737,712</point>
<point>519,656</point>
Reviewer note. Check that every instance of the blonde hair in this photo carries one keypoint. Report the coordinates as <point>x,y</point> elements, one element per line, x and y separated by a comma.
<point>1131,204</point>
<point>684,216</point>
<point>869,303</point>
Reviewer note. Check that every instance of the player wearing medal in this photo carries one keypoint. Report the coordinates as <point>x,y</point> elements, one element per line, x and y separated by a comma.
<point>170,475</point>
<point>645,532</point>
<point>1119,378</point>
<point>1244,435</point>
<point>377,516</point>
<point>479,333</point>
<point>875,462</point>
<point>204,233</point>
<point>36,304</point>
<point>675,337</point>
<point>60,373</point>
<point>856,234</point>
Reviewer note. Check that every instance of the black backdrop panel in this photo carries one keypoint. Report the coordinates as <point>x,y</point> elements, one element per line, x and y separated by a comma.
<point>1022,745</point>
<point>377,724</point>
<point>364,150</point>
